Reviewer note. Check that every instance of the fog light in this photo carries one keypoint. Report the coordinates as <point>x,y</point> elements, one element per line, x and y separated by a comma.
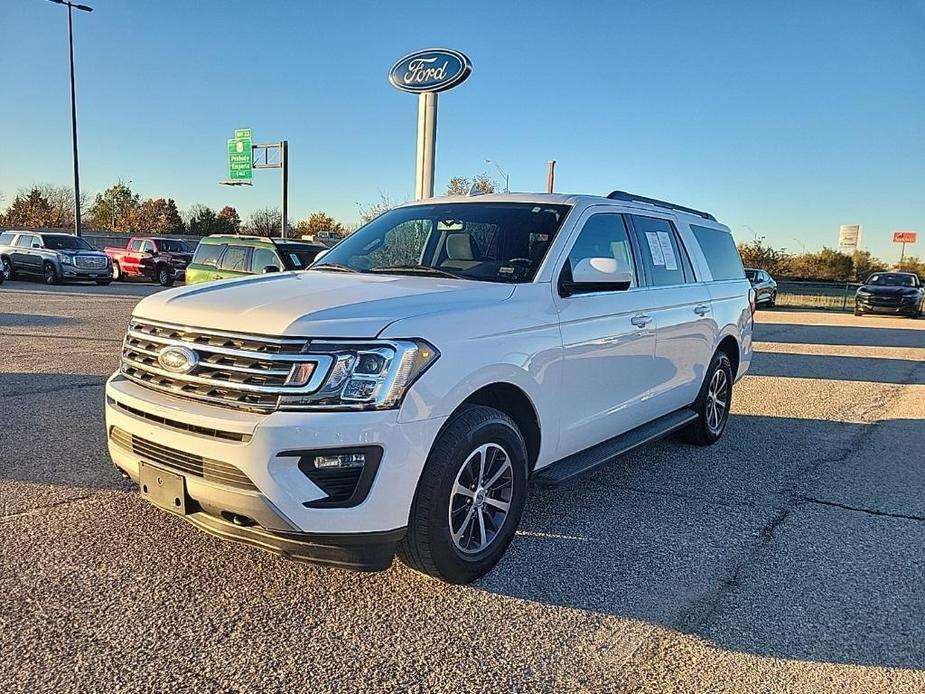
<point>341,460</point>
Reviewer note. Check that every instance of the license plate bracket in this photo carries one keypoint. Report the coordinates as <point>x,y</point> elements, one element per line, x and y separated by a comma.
<point>166,490</point>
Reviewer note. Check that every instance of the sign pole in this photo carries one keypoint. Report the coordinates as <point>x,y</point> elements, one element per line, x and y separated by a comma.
<point>427,145</point>
<point>284,172</point>
<point>902,253</point>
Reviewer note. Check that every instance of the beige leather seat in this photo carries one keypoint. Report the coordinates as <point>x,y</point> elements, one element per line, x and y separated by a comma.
<point>459,253</point>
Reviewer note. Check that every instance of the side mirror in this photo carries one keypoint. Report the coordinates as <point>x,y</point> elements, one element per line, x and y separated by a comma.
<point>269,268</point>
<point>599,275</point>
<point>318,257</point>
<point>36,245</point>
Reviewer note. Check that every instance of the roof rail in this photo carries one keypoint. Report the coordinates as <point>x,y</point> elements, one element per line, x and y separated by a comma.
<point>632,197</point>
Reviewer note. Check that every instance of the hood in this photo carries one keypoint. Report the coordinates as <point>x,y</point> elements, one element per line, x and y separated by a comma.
<point>78,251</point>
<point>315,303</point>
<point>176,255</point>
<point>886,290</point>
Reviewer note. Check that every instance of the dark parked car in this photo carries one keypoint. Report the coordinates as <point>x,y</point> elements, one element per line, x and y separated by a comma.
<point>53,257</point>
<point>895,293</point>
<point>764,285</point>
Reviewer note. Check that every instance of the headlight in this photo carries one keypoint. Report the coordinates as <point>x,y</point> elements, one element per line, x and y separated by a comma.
<point>66,259</point>
<point>363,376</point>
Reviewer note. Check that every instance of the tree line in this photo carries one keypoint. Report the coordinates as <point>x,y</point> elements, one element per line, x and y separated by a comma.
<point>827,265</point>
<point>118,209</point>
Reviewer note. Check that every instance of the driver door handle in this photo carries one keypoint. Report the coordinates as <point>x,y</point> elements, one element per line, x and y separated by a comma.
<point>701,309</point>
<point>641,320</point>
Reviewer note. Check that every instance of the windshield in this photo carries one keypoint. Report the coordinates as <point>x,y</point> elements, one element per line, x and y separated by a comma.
<point>296,257</point>
<point>490,242</point>
<point>171,246</point>
<point>66,243</point>
<point>893,280</point>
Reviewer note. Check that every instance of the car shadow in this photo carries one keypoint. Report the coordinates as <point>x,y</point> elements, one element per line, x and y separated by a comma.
<point>24,320</point>
<point>839,368</point>
<point>717,542</point>
<point>840,335</point>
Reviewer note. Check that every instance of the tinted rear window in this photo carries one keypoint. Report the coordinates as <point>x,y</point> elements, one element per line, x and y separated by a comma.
<point>208,254</point>
<point>723,257</point>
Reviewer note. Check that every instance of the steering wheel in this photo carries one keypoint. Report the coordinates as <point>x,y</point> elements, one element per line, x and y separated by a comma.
<point>522,265</point>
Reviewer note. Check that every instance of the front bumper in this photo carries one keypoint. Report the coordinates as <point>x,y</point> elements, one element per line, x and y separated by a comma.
<point>276,508</point>
<point>70,272</point>
<point>903,308</point>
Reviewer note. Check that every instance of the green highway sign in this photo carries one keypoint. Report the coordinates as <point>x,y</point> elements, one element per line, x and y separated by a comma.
<point>240,156</point>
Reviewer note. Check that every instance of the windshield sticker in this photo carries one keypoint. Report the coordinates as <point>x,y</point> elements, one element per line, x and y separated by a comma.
<point>655,248</point>
<point>665,241</point>
<point>506,270</point>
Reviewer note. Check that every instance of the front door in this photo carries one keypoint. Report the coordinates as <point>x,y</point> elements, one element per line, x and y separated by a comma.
<point>608,343</point>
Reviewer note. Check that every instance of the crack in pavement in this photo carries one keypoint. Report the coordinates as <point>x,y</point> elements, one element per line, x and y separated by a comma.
<point>37,510</point>
<point>872,512</point>
<point>41,391</point>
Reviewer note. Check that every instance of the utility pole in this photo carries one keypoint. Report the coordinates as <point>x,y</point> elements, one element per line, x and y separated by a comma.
<point>284,173</point>
<point>70,42</point>
<point>550,175</point>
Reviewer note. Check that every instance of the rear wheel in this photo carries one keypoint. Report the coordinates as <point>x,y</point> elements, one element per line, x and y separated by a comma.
<point>469,499</point>
<point>712,403</point>
<point>49,274</point>
<point>7,267</point>
<point>164,276</point>
<point>116,272</point>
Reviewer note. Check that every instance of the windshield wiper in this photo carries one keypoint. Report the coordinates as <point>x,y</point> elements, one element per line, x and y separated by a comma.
<point>416,269</point>
<point>334,267</point>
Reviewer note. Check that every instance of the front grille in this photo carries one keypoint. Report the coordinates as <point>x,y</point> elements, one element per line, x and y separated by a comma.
<point>179,461</point>
<point>89,262</point>
<point>247,372</point>
<point>182,426</point>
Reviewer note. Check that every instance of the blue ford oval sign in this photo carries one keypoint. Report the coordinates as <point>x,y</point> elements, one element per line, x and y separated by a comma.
<point>431,70</point>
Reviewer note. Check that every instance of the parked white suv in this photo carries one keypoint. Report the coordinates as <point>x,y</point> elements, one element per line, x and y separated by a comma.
<point>398,396</point>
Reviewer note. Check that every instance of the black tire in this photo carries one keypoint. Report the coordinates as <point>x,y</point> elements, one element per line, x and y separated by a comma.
<point>8,272</point>
<point>772,301</point>
<point>702,432</point>
<point>164,276</point>
<point>858,312</point>
<point>116,272</point>
<point>104,283</point>
<point>50,274</point>
<point>429,546</point>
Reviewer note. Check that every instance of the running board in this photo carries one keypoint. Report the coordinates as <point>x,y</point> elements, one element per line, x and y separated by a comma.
<point>577,464</point>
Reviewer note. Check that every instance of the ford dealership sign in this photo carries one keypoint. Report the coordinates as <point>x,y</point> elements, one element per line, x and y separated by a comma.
<point>431,70</point>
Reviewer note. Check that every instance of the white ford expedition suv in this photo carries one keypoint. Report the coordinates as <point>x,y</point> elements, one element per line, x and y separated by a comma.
<point>398,396</point>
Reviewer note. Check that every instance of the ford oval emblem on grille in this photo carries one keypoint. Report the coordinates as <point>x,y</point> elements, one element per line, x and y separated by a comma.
<point>178,360</point>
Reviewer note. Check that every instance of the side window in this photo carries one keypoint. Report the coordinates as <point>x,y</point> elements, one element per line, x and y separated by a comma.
<point>722,255</point>
<point>147,247</point>
<point>26,241</point>
<point>208,254</point>
<point>603,236</point>
<point>135,245</point>
<point>6,238</point>
<point>235,259</point>
<point>665,259</point>
<point>262,257</point>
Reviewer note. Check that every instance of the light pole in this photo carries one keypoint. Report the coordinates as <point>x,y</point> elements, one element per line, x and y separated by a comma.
<point>70,42</point>
<point>507,182</point>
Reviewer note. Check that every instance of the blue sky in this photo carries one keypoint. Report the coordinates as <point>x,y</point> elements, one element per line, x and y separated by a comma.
<point>785,119</point>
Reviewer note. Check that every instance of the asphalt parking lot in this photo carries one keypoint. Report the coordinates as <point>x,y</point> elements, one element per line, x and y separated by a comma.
<point>788,557</point>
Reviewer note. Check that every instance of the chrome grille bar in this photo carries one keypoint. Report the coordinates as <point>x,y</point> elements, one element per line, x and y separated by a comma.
<point>248,372</point>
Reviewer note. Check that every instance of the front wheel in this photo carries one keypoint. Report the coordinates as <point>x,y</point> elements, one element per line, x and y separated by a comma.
<point>49,274</point>
<point>469,499</point>
<point>772,300</point>
<point>116,272</point>
<point>858,312</point>
<point>712,403</point>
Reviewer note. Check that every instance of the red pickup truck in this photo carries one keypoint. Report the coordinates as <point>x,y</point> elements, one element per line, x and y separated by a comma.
<point>157,259</point>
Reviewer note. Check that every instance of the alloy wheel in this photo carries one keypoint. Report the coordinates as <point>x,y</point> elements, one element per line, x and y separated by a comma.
<point>481,498</point>
<point>717,401</point>
<point>7,270</point>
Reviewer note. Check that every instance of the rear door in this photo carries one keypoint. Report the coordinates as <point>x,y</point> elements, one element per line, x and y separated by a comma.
<point>26,257</point>
<point>685,332</point>
<point>235,262</point>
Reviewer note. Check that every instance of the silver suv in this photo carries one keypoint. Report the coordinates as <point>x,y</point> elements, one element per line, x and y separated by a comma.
<point>54,257</point>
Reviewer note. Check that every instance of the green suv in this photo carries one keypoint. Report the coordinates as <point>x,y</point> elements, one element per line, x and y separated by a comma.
<point>223,256</point>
